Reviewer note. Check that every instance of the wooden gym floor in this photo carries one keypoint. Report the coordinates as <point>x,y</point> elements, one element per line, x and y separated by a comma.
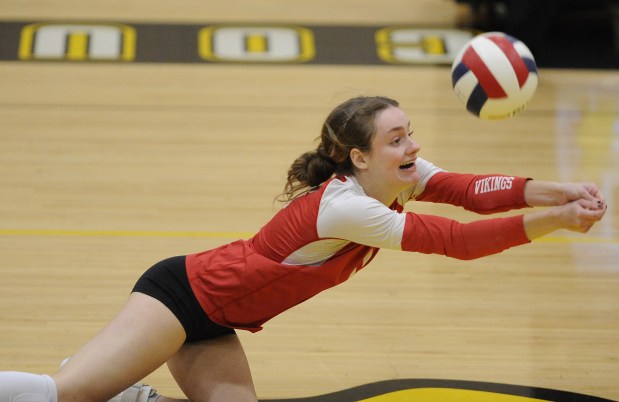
<point>107,168</point>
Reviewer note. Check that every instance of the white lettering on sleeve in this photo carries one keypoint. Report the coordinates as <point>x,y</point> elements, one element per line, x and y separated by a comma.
<point>494,183</point>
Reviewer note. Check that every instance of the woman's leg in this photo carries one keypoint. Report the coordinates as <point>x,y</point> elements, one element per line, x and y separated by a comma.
<point>143,336</point>
<point>213,370</point>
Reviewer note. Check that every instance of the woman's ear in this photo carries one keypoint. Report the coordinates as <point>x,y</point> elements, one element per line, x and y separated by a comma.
<point>358,158</point>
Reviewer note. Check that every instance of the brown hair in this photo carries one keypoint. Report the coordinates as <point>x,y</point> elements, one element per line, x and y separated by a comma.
<point>350,125</point>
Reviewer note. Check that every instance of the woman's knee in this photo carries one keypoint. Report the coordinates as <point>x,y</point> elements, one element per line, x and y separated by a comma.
<point>19,386</point>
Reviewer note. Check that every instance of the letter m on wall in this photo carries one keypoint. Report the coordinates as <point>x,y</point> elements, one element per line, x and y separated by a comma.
<point>77,42</point>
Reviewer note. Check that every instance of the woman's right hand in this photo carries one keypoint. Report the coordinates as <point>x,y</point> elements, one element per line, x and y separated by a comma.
<point>578,216</point>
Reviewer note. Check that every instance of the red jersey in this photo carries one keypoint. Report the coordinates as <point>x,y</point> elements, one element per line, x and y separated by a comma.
<point>322,238</point>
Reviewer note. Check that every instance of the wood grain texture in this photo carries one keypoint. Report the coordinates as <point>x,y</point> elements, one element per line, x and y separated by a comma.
<point>108,168</point>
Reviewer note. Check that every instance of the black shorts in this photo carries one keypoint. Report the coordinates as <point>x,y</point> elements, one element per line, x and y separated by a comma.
<point>167,282</point>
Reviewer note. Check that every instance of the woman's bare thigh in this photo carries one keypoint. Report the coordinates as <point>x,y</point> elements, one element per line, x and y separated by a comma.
<point>213,370</point>
<point>142,337</point>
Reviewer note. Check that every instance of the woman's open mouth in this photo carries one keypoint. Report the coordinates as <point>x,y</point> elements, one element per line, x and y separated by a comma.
<point>407,166</point>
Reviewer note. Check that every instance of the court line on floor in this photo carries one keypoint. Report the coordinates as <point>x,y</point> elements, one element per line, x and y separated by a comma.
<point>233,235</point>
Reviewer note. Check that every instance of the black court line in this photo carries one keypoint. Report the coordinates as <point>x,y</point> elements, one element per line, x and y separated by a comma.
<point>325,44</point>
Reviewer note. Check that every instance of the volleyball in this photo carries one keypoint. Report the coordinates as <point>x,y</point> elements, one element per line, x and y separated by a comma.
<point>494,75</point>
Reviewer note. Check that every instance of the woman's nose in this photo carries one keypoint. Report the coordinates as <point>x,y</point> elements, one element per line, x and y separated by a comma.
<point>413,146</point>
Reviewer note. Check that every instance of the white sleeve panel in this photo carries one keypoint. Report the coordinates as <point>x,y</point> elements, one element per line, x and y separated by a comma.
<point>346,212</point>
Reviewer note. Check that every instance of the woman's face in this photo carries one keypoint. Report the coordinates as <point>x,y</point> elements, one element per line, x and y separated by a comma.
<point>393,152</point>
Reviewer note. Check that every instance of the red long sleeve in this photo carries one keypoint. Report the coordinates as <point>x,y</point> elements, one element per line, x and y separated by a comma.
<point>431,234</point>
<point>484,194</point>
